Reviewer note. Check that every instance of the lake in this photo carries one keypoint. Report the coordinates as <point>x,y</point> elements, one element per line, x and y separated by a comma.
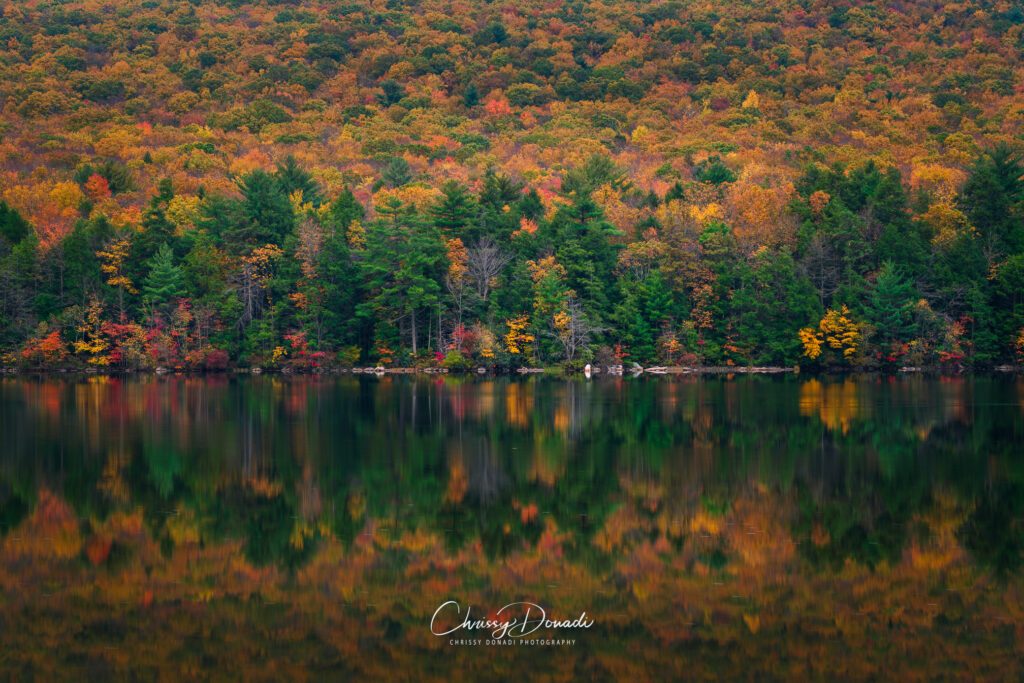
<point>311,527</point>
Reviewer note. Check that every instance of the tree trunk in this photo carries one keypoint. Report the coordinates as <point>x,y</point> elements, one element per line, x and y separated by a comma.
<point>414,332</point>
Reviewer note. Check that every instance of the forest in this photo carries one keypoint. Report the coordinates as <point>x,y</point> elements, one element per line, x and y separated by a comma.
<point>215,184</point>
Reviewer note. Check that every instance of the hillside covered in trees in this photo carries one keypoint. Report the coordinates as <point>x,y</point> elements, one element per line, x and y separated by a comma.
<point>213,183</point>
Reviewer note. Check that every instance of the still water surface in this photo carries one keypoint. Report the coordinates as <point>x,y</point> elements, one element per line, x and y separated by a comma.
<point>309,527</point>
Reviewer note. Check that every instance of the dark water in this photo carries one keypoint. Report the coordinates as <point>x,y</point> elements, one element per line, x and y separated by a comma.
<point>274,528</point>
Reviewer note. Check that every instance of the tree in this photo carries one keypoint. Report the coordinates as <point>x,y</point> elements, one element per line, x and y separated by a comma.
<point>294,178</point>
<point>164,284</point>
<point>393,93</point>
<point>267,210</point>
<point>713,171</point>
<point>770,302</point>
<point>598,171</point>
<point>397,173</point>
<point>484,262</point>
<point>339,277</point>
<point>891,306</point>
<point>404,266</point>
<point>250,281</point>
<point>453,211</point>
<point>156,231</point>
<point>644,310</point>
<point>471,96</point>
<point>20,285</point>
<point>457,279</point>
<point>517,338</point>
<point>114,266</point>
<point>573,329</point>
<point>345,210</point>
<point>1008,299</point>
<point>639,259</point>
<point>993,200</point>
<point>837,331</point>
<point>92,342</point>
<point>13,228</point>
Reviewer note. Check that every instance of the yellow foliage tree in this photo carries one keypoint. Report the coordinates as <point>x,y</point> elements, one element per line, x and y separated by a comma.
<point>93,343</point>
<point>112,263</point>
<point>837,330</point>
<point>517,337</point>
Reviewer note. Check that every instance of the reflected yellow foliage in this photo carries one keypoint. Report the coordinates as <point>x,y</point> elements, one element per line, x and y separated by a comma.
<point>835,404</point>
<point>546,466</point>
<point>458,481</point>
<point>518,404</point>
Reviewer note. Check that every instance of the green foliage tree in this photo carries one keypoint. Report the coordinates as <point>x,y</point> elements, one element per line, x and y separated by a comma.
<point>294,178</point>
<point>453,212</point>
<point>403,268</point>
<point>397,173</point>
<point>165,282</point>
<point>993,200</point>
<point>13,228</point>
<point>891,306</point>
<point>268,213</point>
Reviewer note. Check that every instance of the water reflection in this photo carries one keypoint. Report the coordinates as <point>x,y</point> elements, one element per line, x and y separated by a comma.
<point>711,526</point>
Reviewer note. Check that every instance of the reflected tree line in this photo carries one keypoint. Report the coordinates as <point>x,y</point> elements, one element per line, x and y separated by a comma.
<point>282,463</point>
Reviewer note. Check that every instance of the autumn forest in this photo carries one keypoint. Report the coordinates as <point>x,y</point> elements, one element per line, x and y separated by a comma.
<point>214,184</point>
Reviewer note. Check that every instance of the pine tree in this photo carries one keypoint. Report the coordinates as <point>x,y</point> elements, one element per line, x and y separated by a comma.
<point>471,96</point>
<point>293,178</point>
<point>165,282</point>
<point>393,93</point>
<point>404,268</point>
<point>267,210</point>
<point>993,199</point>
<point>13,228</point>
<point>453,212</point>
<point>344,211</point>
<point>397,173</point>
<point>892,306</point>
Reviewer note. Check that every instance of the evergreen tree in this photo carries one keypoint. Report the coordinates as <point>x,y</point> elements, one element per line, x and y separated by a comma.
<point>338,276</point>
<point>267,210</point>
<point>498,190</point>
<point>292,178</point>
<point>713,171</point>
<point>20,285</point>
<point>993,200</point>
<point>13,228</point>
<point>404,266</point>
<point>156,231</point>
<point>344,210</point>
<point>1008,299</point>
<point>165,282</point>
<point>397,173</point>
<point>453,211</point>
<point>393,93</point>
<point>78,270</point>
<point>891,306</point>
<point>644,310</point>
<point>223,218</point>
<point>770,304</point>
<point>471,96</point>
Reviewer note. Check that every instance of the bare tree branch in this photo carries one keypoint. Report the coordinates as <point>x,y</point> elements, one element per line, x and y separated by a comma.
<point>485,262</point>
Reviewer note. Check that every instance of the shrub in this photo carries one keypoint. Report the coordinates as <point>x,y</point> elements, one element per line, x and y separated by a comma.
<point>348,356</point>
<point>456,362</point>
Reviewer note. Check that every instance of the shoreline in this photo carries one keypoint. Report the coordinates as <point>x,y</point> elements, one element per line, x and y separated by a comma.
<point>549,371</point>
